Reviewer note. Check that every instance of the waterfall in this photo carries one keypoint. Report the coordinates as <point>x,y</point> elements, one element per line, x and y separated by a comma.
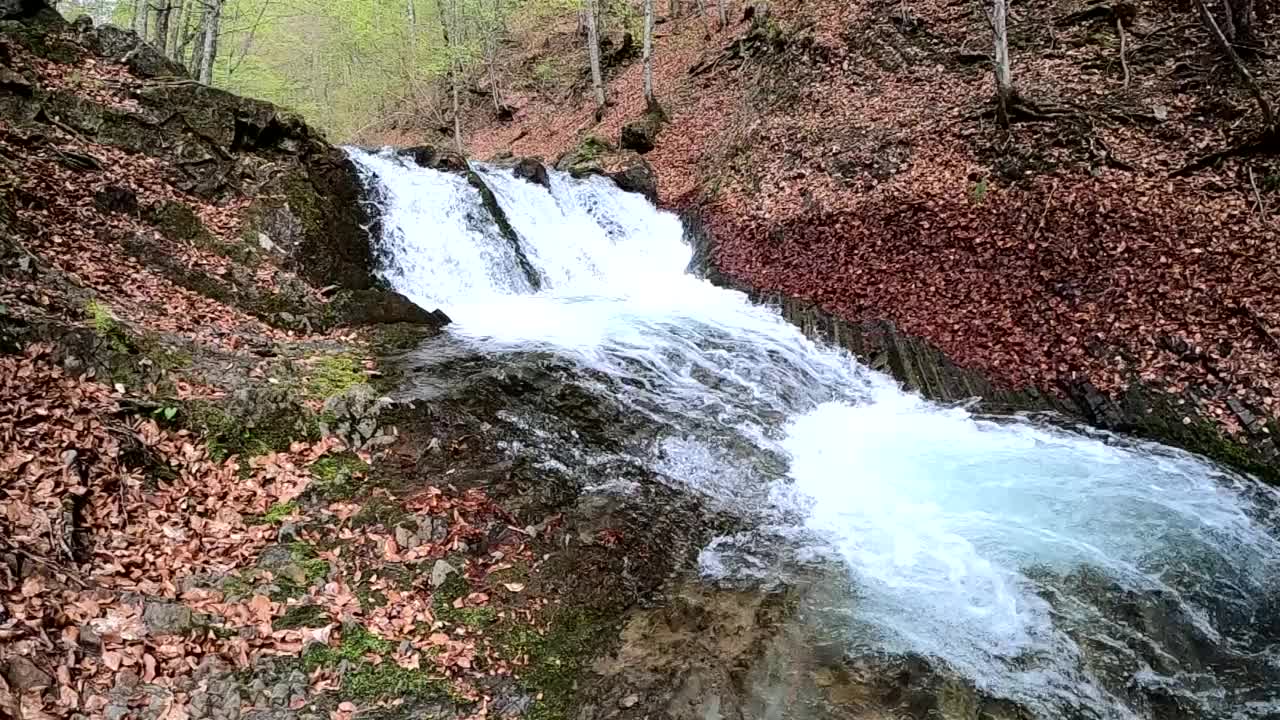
<point>1008,550</point>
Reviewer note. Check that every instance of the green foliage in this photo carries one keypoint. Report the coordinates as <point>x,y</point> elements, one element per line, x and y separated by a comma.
<point>373,681</point>
<point>555,658</point>
<point>105,325</point>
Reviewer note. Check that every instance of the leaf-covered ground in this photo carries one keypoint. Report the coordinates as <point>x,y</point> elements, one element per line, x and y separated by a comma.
<point>182,533</point>
<point>847,153</point>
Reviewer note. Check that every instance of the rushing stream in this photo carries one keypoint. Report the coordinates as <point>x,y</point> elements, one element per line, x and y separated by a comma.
<point>1077,574</point>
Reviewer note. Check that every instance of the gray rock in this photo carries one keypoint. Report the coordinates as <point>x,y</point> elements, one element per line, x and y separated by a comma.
<point>406,538</point>
<point>289,532</point>
<point>352,416</point>
<point>441,572</point>
<point>629,701</point>
<point>167,618</point>
<point>24,675</point>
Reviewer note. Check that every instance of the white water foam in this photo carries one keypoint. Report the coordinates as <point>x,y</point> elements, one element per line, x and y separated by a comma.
<point>958,531</point>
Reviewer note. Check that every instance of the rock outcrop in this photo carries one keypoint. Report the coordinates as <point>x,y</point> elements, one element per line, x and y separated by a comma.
<point>626,168</point>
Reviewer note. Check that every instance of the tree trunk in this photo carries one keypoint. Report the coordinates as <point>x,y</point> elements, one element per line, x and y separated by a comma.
<point>209,51</point>
<point>673,8</point>
<point>1004,75</point>
<point>493,56</point>
<point>649,100</point>
<point>177,21</point>
<point>197,47</point>
<point>411,14</point>
<point>161,39</point>
<point>593,49</point>
<point>139,17</point>
<point>724,13</point>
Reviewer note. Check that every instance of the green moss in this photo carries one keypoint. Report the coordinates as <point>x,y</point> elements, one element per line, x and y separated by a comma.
<point>235,586</point>
<point>355,643</point>
<point>555,659</point>
<point>279,512</point>
<point>333,374</point>
<point>338,477</point>
<point>313,567</point>
<point>106,326</point>
<point>592,148</point>
<point>302,616</point>
<point>388,680</point>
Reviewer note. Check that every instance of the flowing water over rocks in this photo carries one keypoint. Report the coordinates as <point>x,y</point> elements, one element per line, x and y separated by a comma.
<point>860,552</point>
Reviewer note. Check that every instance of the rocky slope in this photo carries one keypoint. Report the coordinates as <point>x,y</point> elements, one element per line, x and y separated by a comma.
<point>1111,255</point>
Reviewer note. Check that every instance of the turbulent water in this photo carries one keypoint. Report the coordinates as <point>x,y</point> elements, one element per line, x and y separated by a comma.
<point>1077,574</point>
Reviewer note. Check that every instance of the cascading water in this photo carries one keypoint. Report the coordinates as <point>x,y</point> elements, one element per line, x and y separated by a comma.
<point>1077,574</point>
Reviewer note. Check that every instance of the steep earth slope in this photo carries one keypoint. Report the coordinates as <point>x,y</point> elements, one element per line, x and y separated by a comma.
<point>1112,254</point>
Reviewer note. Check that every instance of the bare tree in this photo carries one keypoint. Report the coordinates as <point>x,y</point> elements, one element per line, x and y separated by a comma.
<point>593,49</point>
<point>209,47</point>
<point>492,43</point>
<point>176,21</point>
<point>673,8</point>
<point>649,100</point>
<point>451,32</point>
<point>161,37</point>
<point>998,15</point>
<point>139,17</point>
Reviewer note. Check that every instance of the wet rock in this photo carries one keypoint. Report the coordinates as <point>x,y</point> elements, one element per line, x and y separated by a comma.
<point>24,675</point>
<point>289,532</point>
<point>13,82</point>
<point>352,416</point>
<point>533,170</point>
<point>167,618</point>
<point>633,173</point>
<point>440,572</point>
<point>433,158</point>
<point>384,307</point>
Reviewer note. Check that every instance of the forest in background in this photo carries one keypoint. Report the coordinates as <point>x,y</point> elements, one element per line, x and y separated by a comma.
<point>361,69</point>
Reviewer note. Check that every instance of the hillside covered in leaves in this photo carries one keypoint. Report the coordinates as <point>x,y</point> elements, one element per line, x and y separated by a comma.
<point>1114,248</point>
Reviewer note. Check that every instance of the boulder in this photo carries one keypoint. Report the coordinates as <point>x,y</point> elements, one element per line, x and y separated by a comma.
<point>124,46</point>
<point>20,9</point>
<point>633,174</point>
<point>533,170</point>
<point>382,307</point>
<point>433,158</point>
<point>626,168</point>
<point>641,134</point>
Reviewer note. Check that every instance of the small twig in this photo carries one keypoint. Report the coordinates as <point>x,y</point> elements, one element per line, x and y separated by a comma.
<point>1048,203</point>
<point>1257,196</point>
<point>1123,62</point>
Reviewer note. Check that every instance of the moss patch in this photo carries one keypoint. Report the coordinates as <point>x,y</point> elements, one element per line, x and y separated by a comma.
<point>555,658</point>
<point>279,512</point>
<point>333,374</point>
<point>373,681</point>
<point>338,477</point>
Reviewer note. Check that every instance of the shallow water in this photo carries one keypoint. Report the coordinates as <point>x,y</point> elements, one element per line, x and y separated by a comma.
<point>1012,552</point>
